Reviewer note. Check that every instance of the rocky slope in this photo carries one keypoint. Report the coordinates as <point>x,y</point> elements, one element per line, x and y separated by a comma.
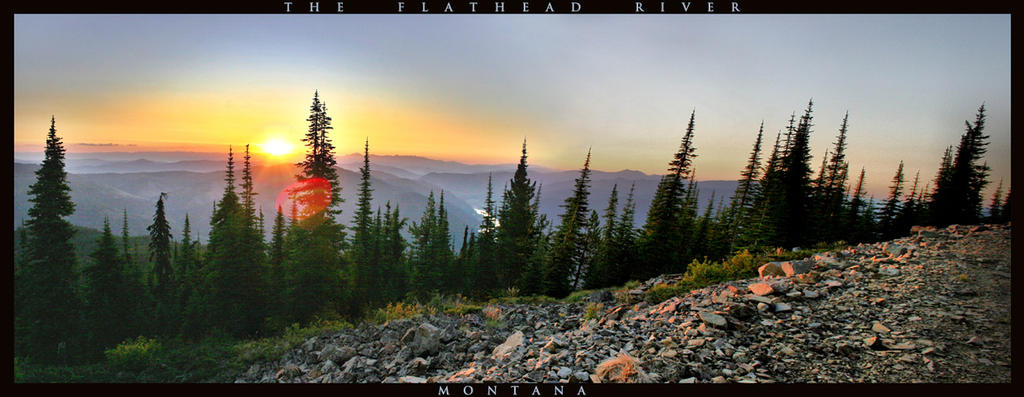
<point>933,307</point>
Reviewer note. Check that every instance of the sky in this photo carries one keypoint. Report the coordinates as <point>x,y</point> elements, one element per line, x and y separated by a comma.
<point>471,88</point>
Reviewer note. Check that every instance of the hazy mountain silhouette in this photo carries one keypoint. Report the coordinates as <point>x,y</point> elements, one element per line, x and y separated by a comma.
<point>103,187</point>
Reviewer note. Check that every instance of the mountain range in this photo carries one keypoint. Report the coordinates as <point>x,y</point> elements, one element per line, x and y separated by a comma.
<point>106,184</point>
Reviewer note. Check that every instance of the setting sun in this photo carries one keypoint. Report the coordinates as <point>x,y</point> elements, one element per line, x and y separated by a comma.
<point>276,147</point>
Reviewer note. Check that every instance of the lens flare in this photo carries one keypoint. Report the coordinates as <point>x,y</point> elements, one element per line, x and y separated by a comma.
<point>305,199</point>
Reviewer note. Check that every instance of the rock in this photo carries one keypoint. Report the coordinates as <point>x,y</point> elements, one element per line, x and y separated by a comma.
<point>337,354</point>
<point>418,365</point>
<point>741,311</point>
<point>288,371</point>
<point>781,307</point>
<point>602,296</point>
<point>426,340</point>
<point>811,294</point>
<point>875,343</point>
<point>770,269</point>
<point>877,327</point>
<point>713,319</point>
<point>564,372</point>
<point>514,341</point>
<point>889,271</point>
<point>412,379</point>
<point>895,250</point>
<point>792,268</point>
<point>760,289</point>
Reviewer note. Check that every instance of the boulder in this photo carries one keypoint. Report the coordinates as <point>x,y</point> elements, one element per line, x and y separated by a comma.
<point>426,340</point>
<point>514,341</point>
<point>713,319</point>
<point>770,269</point>
<point>760,289</point>
<point>337,354</point>
<point>792,268</point>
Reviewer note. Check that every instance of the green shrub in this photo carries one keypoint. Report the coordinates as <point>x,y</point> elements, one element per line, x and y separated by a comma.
<point>524,300</point>
<point>661,292</point>
<point>462,309</point>
<point>494,323</point>
<point>594,310</point>
<point>273,348</point>
<point>395,311</point>
<point>133,354</point>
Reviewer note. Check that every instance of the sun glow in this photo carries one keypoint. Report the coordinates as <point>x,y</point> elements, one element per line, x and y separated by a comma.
<point>276,147</point>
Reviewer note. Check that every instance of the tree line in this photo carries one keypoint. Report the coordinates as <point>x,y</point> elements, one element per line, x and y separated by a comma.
<point>315,267</point>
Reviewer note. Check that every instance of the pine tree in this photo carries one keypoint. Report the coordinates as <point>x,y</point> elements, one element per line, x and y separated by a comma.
<point>792,221</point>
<point>47,326</point>
<point>855,212</point>
<point>106,306</point>
<point>834,188</point>
<point>137,296</point>
<point>887,217</point>
<point>315,264</point>
<point>762,231</point>
<point>589,250</point>
<point>442,248</point>
<point>162,278</point>
<point>994,206</point>
<point>910,212</point>
<point>739,216</point>
<point>395,267</point>
<point>235,302</point>
<point>516,236</point>
<point>623,251</point>
<point>599,271</point>
<point>958,200</point>
<point>663,241</point>
<point>425,274</point>
<point>1005,211</point>
<point>486,261</point>
<point>366,272</point>
<point>567,251</point>
<point>189,280</point>
<point>319,161</point>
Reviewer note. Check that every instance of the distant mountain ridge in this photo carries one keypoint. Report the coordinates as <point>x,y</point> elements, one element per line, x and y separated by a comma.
<point>105,187</point>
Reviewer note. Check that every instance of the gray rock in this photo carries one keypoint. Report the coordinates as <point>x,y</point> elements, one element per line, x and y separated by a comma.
<point>412,379</point>
<point>792,268</point>
<point>713,319</point>
<point>514,341</point>
<point>895,250</point>
<point>564,372</point>
<point>337,354</point>
<point>770,269</point>
<point>426,340</point>
<point>782,307</point>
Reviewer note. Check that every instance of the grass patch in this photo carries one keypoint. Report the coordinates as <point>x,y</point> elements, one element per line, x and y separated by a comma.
<point>145,360</point>
<point>273,348</point>
<point>463,309</point>
<point>524,300</point>
<point>594,310</point>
